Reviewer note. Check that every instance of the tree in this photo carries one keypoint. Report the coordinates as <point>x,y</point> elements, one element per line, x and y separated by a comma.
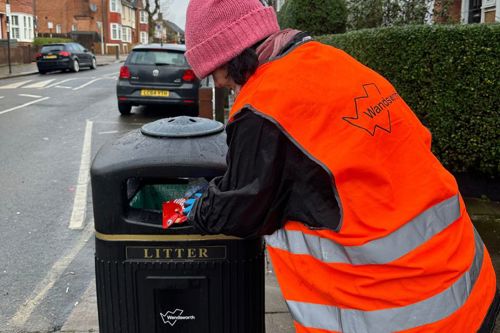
<point>151,13</point>
<point>443,12</point>
<point>376,13</point>
<point>365,14</point>
<point>316,17</point>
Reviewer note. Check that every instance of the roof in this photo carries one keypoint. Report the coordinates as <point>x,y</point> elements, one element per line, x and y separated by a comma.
<point>172,47</point>
<point>174,27</point>
<point>170,25</point>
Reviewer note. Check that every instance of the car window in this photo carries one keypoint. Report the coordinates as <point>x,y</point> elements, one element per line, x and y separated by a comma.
<point>52,48</point>
<point>79,47</point>
<point>156,57</point>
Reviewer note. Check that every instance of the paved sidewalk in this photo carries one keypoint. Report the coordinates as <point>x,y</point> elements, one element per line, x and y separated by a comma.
<point>30,69</point>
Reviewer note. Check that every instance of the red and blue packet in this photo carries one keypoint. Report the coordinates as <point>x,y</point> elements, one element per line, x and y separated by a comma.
<point>173,213</point>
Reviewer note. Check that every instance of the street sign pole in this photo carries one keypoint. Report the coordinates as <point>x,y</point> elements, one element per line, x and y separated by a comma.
<point>7,10</point>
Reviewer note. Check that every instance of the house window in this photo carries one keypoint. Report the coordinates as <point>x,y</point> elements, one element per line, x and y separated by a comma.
<point>58,29</point>
<point>115,6</point>
<point>30,33</point>
<point>144,37</point>
<point>144,17</point>
<point>14,27</point>
<point>116,31</point>
<point>126,34</point>
<point>73,27</point>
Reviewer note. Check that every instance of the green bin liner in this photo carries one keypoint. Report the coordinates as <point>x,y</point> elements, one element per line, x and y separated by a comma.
<point>152,196</point>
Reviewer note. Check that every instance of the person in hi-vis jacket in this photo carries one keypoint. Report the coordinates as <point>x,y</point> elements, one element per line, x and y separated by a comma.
<point>366,230</point>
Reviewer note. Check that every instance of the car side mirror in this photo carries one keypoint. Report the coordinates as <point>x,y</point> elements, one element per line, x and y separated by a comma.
<point>85,50</point>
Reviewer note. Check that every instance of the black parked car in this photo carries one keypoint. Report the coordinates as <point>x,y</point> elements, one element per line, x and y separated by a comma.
<point>65,56</point>
<point>157,74</point>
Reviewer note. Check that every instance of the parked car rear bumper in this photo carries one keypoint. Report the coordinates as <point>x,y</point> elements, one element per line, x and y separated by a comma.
<point>54,65</point>
<point>186,94</point>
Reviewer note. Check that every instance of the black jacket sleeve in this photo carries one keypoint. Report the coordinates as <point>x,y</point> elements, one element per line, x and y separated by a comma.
<point>250,198</point>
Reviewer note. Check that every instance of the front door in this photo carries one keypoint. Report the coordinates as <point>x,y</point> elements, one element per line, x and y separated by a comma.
<point>475,11</point>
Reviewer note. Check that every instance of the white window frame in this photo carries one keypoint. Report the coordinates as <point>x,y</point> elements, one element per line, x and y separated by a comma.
<point>144,17</point>
<point>58,29</point>
<point>74,27</point>
<point>115,6</point>
<point>15,30</point>
<point>126,34</point>
<point>21,27</point>
<point>144,38</point>
<point>116,31</point>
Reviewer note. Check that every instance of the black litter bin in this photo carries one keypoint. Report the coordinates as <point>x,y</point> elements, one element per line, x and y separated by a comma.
<point>152,280</point>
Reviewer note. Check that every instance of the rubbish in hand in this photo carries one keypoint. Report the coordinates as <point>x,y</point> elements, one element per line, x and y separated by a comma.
<point>173,212</point>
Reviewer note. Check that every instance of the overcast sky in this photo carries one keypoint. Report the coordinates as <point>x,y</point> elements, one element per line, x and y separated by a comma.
<point>176,11</point>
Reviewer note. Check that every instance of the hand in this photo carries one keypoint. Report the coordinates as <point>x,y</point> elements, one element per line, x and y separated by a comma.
<point>189,203</point>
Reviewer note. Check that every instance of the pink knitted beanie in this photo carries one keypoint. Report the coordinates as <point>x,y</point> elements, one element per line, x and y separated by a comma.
<point>219,30</point>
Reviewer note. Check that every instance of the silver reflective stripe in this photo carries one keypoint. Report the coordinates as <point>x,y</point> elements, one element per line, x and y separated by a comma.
<point>379,251</point>
<point>425,312</point>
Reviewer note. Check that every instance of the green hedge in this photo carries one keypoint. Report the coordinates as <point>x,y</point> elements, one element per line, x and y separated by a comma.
<point>39,41</point>
<point>450,77</point>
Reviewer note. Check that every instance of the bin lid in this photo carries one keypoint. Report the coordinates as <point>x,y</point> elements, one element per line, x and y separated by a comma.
<point>182,127</point>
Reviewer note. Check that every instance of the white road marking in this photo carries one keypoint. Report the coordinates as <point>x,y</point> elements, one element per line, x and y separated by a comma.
<point>64,87</point>
<point>25,104</point>
<point>28,95</point>
<point>2,97</point>
<point>15,85</point>
<point>109,132</point>
<point>59,83</point>
<point>40,84</point>
<point>86,84</point>
<point>80,203</point>
<point>24,311</point>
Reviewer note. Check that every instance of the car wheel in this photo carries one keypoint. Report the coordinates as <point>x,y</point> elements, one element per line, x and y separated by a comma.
<point>42,72</point>
<point>124,108</point>
<point>76,66</point>
<point>94,64</point>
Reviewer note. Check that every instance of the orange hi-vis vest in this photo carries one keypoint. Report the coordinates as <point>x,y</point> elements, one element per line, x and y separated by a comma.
<point>406,257</point>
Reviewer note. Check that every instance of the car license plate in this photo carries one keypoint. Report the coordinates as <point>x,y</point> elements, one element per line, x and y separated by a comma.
<point>50,57</point>
<point>154,93</point>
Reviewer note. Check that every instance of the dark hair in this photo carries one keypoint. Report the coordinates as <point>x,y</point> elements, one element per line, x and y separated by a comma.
<point>243,66</point>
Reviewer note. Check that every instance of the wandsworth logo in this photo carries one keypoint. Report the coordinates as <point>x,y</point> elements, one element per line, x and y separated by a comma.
<point>372,110</point>
<point>171,317</point>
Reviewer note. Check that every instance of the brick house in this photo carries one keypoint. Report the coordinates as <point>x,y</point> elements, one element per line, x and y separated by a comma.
<point>474,11</point>
<point>81,20</point>
<point>129,24</point>
<point>101,25</point>
<point>143,25</point>
<point>21,20</point>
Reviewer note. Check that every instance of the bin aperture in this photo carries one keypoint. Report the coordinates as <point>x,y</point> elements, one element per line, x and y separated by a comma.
<point>150,196</point>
